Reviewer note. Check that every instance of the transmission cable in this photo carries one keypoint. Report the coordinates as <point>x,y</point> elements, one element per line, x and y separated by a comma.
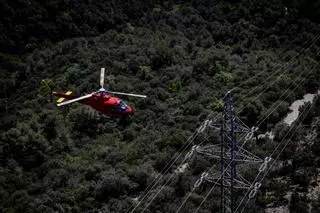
<point>183,149</point>
<point>156,180</point>
<point>290,63</point>
<point>304,113</point>
<point>259,171</point>
<point>258,125</point>
<point>163,185</point>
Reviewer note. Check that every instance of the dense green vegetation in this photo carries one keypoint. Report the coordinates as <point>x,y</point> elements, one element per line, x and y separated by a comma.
<point>295,182</point>
<point>183,55</point>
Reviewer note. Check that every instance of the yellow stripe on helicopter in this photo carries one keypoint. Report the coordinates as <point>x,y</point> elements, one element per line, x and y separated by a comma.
<point>62,99</point>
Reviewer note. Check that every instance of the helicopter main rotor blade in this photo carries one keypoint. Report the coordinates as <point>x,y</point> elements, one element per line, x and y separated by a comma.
<point>75,100</point>
<point>102,77</point>
<point>128,94</point>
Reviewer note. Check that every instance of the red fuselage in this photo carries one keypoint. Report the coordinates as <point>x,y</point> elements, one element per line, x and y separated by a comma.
<point>104,103</point>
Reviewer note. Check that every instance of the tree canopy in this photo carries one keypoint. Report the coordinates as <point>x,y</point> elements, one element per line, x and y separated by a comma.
<point>185,55</point>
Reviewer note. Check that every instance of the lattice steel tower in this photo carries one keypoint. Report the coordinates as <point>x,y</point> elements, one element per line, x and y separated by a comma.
<point>229,153</point>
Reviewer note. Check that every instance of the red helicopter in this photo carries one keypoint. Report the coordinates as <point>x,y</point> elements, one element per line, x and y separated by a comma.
<point>101,100</point>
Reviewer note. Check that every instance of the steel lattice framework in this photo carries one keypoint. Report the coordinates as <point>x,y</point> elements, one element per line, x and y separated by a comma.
<point>229,153</point>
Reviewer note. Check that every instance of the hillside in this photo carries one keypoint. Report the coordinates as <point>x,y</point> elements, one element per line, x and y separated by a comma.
<point>184,55</point>
<point>294,184</point>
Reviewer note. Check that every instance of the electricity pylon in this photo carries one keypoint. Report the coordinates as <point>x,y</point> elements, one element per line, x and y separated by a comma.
<point>230,154</point>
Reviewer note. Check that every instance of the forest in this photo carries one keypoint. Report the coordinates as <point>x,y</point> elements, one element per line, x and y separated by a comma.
<point>184,55</point>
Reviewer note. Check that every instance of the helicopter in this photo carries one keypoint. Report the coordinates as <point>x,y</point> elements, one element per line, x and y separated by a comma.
<point>101,100</point>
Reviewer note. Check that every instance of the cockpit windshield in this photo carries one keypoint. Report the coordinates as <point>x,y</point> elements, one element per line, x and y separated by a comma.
<point>122,106</point>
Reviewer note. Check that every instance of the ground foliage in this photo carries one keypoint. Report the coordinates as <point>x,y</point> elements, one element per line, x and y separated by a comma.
<point>183,55</point>
<point>294,181</point>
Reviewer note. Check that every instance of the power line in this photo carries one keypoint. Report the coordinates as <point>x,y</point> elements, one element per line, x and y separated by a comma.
<point>292,60</point>
<point>304,113</point>
<point>201,129</point>
<point>278,146</point>
<point>314,40</point>
<point>267,160</point>
<point>173,161</point>
<point>257,185</point>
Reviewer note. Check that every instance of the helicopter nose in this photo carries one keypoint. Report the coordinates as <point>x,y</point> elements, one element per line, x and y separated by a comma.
<point>130,111</point>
